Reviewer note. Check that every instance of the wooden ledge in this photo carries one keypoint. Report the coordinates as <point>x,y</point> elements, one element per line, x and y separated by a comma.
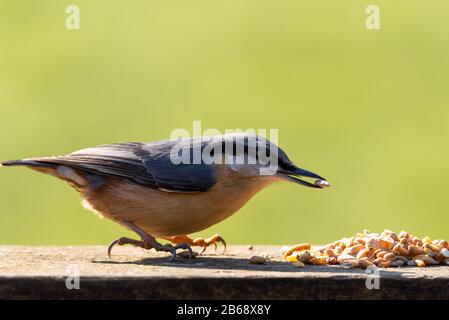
<point>41,273</point>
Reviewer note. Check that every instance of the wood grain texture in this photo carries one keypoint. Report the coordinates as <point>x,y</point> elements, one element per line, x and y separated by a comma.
<point>40,273</point>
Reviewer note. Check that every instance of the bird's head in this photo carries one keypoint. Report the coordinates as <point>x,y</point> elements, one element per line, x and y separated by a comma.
<point>253,156</point>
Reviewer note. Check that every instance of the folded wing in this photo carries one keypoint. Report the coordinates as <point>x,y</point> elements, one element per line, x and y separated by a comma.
<point>146,164</point>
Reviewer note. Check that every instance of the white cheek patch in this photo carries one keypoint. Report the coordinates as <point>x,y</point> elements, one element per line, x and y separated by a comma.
<point>70,174</point>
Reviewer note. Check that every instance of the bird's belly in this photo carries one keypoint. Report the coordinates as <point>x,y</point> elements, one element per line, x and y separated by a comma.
<point>163,214</point>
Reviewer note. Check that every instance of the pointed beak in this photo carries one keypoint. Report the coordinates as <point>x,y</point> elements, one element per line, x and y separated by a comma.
<point>295,174</point>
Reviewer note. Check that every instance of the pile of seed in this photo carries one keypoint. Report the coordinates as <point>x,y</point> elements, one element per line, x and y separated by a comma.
<point>366,249</point>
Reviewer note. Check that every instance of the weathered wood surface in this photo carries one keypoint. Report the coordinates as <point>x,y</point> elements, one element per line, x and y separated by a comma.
<point>41,273</point>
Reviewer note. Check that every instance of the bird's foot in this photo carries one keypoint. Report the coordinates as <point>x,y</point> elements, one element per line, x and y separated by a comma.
<point>154,244</point>
<point>206,242</point>
<point>172,249</point>
<point>148,242</point>
<point>200,242</point>
<point>123,240</point>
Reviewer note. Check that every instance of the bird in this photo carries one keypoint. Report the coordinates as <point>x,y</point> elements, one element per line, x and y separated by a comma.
<point>171,188</point>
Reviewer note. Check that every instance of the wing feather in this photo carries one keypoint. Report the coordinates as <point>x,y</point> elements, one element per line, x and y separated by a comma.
<point>146,164</point>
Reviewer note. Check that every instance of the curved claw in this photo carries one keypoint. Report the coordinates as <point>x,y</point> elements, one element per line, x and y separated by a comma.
<point>123,240</point>
<point>210,241</point>
<point>111,245</point>
<point>173,255</point>
<point>222,241</point>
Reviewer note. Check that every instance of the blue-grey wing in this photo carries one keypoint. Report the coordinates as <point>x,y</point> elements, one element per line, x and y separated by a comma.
<point>147,164</point>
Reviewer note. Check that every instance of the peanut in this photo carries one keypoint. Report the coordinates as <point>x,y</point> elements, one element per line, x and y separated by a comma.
<point>400,258</point>
<point>365,263</point>
<point>415,250</point>
<point>381,254</point>
<point>420,263</point>
<point>298,264</point>
<point>443,244</point>
<point>384,264</point>
<point>353,250</point>
<point>344,257</point>
<point>378,243</point>
<point>350,263</point>
<point>320,261</point>
<point>404,234</point>
<point>445,252</point>
<point>331,260</point>
<point>363,253</point>
<point>400,250</point>
<point>386,249</point>
<point>411,263</point>
<point>389,256</point>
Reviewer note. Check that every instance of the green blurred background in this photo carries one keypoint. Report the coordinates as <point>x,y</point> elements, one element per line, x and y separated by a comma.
<point>369,110</point>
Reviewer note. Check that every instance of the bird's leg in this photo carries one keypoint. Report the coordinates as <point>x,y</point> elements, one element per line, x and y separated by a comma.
<point>148,242</point>
<point>200,242</point>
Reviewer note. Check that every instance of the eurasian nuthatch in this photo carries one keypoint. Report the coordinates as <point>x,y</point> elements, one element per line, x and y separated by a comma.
<point>169,189</point>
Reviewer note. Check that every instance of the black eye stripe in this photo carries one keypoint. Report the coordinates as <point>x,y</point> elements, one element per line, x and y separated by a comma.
<point>248,149</point>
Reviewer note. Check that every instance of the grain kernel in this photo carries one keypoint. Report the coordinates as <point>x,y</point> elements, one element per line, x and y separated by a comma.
<point>426,240</point>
